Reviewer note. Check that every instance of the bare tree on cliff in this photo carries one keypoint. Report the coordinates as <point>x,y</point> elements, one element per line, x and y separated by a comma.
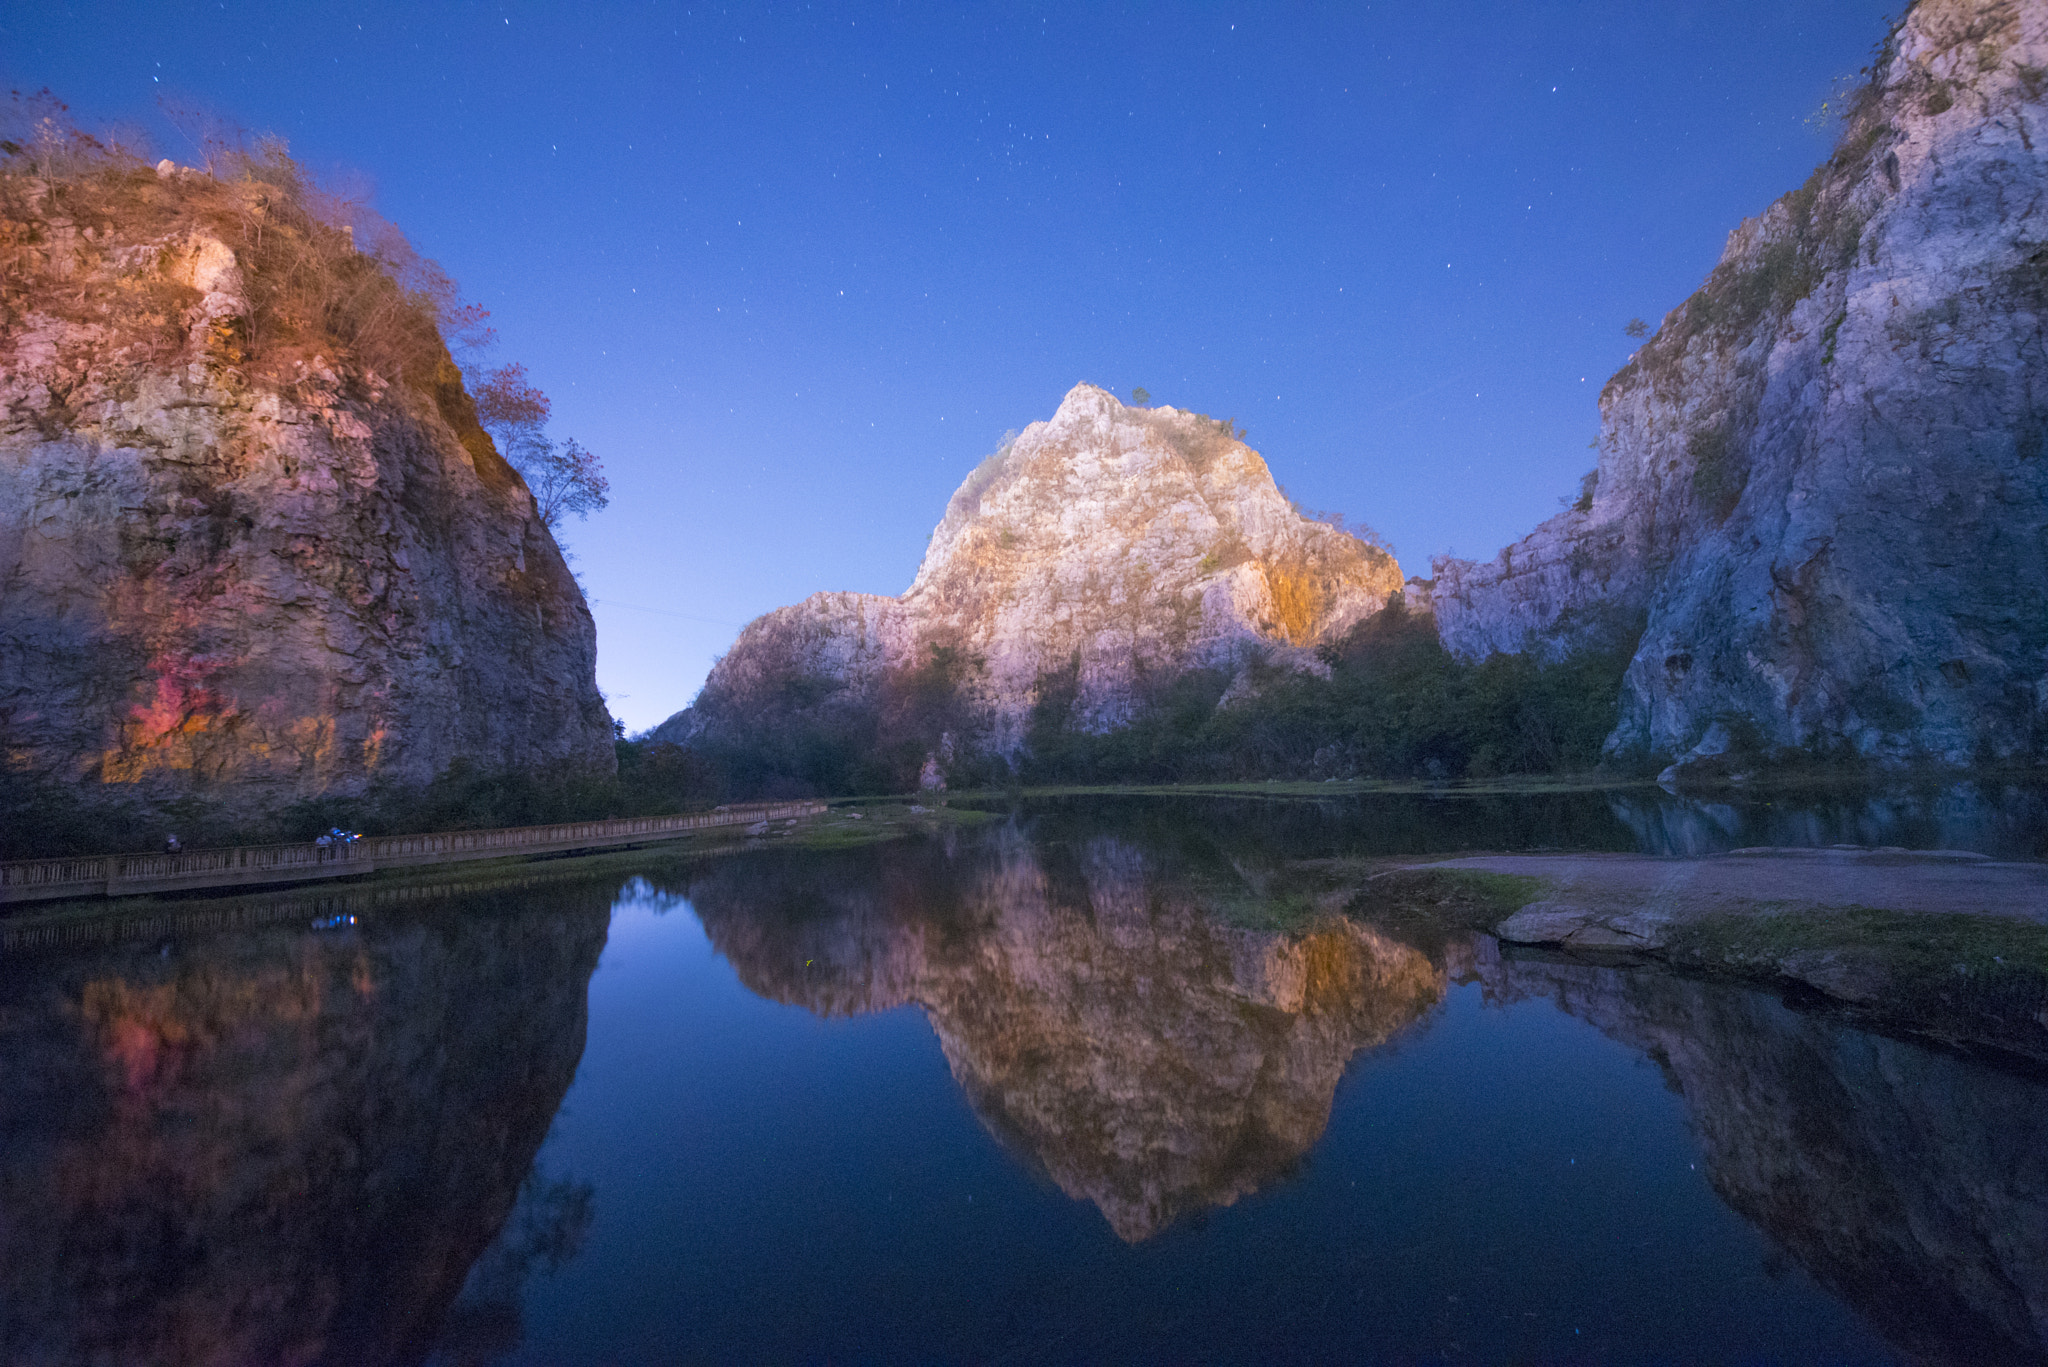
<point>564,476</point>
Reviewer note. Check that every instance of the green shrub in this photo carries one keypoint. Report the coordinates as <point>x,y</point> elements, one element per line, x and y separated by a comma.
<point>1396,704</point>
<point>1827,337</point>
<point>1718,471</point>
<point>43,820</point>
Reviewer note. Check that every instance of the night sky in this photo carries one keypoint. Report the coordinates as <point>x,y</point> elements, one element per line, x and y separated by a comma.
<point>792,270</point>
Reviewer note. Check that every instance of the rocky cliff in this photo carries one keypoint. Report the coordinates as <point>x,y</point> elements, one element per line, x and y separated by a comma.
<point>1822,494</point>
<point>253,545</point>
<point>1095,555</point>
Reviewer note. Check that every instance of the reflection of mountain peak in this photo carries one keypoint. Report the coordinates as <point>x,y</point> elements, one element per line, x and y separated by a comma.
<point>1162,1067</point>
<point>1148,1058</point>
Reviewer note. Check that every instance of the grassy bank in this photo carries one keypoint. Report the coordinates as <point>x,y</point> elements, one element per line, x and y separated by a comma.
<point>1960,978</point>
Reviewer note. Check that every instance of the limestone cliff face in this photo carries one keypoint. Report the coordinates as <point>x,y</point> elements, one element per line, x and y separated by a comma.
<point>1106,547</point>
<point>1146,1057</point>
<point>240,586</point>
<point>1823,483</point>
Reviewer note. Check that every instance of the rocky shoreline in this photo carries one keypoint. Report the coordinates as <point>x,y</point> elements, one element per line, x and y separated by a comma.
<point>1947,945</point>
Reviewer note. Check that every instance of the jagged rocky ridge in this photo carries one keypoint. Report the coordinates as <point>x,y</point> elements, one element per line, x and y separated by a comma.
<point>1823,486</point>
<point>1103,550</point>
<point>230,579</point>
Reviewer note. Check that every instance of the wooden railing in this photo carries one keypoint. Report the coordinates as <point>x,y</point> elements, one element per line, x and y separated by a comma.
<point>203,915</point>
<point>119,875</point>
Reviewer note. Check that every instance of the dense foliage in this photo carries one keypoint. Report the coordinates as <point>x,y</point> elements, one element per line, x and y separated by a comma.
<point>652,780</point>
<point>802,735</point>
<point>40,819</point>
<point>1395,704</point>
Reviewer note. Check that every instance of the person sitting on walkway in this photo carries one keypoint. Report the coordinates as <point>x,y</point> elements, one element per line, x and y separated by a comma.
<point>171,845</point>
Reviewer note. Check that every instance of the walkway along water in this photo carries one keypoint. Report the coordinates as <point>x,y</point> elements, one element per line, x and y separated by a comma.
<point>124,875</point>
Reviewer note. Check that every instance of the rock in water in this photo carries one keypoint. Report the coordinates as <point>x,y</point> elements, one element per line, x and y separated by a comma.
<point>241,565</point>
<point>1096,555</point>
<point>1823,484</point>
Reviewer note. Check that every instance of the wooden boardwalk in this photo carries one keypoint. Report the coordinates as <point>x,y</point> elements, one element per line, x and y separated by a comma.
<point>127,875</point>
<point>130,920</point>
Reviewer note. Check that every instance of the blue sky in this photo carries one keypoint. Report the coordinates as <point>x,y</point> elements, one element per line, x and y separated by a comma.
<point>791,270</point>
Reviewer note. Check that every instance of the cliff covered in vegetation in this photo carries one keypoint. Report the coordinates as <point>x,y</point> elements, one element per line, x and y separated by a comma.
<point>254,546</point>
<point>1822,497</point>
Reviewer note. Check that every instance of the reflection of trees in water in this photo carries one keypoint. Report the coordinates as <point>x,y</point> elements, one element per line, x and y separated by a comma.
<point>1293,827</point>
<point>1139,1053</point>
<point>2001,819</point>
<point>279,1146</point>
<point>2006,820</point>
<point>1912,1183</point>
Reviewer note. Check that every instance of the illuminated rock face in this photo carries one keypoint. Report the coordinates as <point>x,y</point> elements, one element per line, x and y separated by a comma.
<point>1106,1027</point>
<point>1823,483</point>
<point>1104,547</point>
<point>279,1146</point>
<point>235,593</point>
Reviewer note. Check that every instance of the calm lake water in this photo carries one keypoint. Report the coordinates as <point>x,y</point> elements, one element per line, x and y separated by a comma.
<point>1025,1092</point>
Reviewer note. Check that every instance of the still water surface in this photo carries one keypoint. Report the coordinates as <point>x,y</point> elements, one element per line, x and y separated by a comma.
<point>1030,1092</point>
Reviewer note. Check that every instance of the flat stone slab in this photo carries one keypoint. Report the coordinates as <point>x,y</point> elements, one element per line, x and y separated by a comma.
<point>1562,923</point>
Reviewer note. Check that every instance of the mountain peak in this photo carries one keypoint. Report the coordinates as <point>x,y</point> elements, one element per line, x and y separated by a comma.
<point>1091,559</point>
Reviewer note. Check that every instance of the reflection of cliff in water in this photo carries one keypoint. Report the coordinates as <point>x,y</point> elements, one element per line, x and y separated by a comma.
<point>278,1146</point>
<point>1149,1058</point>
<point>2004,820</point>
<point>1912,1183</point>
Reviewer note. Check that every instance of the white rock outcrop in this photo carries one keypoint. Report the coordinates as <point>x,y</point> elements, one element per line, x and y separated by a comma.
<point>1105,550</point>
<point>1822,496</point>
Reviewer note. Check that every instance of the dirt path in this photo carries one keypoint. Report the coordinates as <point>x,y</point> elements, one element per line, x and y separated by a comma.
<point>1752,880</point>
